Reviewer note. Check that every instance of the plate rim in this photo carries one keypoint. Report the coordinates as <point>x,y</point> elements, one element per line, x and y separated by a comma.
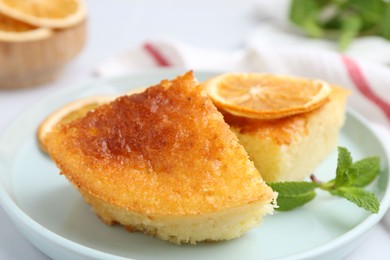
<point>24,220</point>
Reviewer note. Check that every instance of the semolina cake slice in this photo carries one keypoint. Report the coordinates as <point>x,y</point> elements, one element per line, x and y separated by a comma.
<point>165,163</point>
<point>291,148</point>
<point>288,125</point>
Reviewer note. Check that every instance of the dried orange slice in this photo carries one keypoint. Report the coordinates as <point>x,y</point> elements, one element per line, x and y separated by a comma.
<point>68,113</point>
<point>16,31</point>
<point>266,96</point>
<point>45,13</point>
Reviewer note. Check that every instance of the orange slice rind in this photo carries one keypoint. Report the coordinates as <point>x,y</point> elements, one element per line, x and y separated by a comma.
<point>266,96</point>
<point>45,13</point>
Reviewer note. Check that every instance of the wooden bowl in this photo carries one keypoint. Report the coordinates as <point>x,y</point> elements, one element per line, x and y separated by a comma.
<point>35,60</point>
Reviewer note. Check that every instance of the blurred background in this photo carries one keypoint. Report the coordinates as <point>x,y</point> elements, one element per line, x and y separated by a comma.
<point>116,29</point>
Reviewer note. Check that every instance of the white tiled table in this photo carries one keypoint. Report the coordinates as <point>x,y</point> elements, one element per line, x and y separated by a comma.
<point>116,26</point>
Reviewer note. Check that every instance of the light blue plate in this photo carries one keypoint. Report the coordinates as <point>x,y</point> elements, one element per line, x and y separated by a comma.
<point>53,216</point>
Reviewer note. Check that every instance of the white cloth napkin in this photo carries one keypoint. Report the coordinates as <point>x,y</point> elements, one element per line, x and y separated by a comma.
<point>369,82</point>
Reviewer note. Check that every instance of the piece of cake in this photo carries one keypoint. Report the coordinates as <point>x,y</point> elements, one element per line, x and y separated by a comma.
<point>165,163</point>
<point>291,148</point>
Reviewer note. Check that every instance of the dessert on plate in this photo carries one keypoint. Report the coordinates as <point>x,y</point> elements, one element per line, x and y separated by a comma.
<point>163,162</point>
<point>287,125</point>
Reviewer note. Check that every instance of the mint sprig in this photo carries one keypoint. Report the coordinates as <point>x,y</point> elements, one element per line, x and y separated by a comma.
<point>351,178</point>
<point>342,20</point>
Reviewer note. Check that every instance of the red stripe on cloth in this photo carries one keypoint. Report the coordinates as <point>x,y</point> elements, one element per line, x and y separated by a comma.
<point>361,83</point>
<point>156,55</point>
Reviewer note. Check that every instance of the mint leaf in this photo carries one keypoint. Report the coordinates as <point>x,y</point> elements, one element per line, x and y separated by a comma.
<point>342,20</point>
<point>353,174</point>
<point>350,178</point>
<point>370,11</point>
<point>368,169</point>
<point>293,194</point>
<point>360,197</point>
<point>350,27</point>
<point>344,162</point>
<point>385,28</point>
<point>304,13</point>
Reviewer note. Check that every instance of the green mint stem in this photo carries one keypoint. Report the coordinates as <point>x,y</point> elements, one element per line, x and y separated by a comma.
<point>351,178</point>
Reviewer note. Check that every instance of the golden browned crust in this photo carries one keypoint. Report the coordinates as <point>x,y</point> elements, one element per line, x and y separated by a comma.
<point>166,151</point>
